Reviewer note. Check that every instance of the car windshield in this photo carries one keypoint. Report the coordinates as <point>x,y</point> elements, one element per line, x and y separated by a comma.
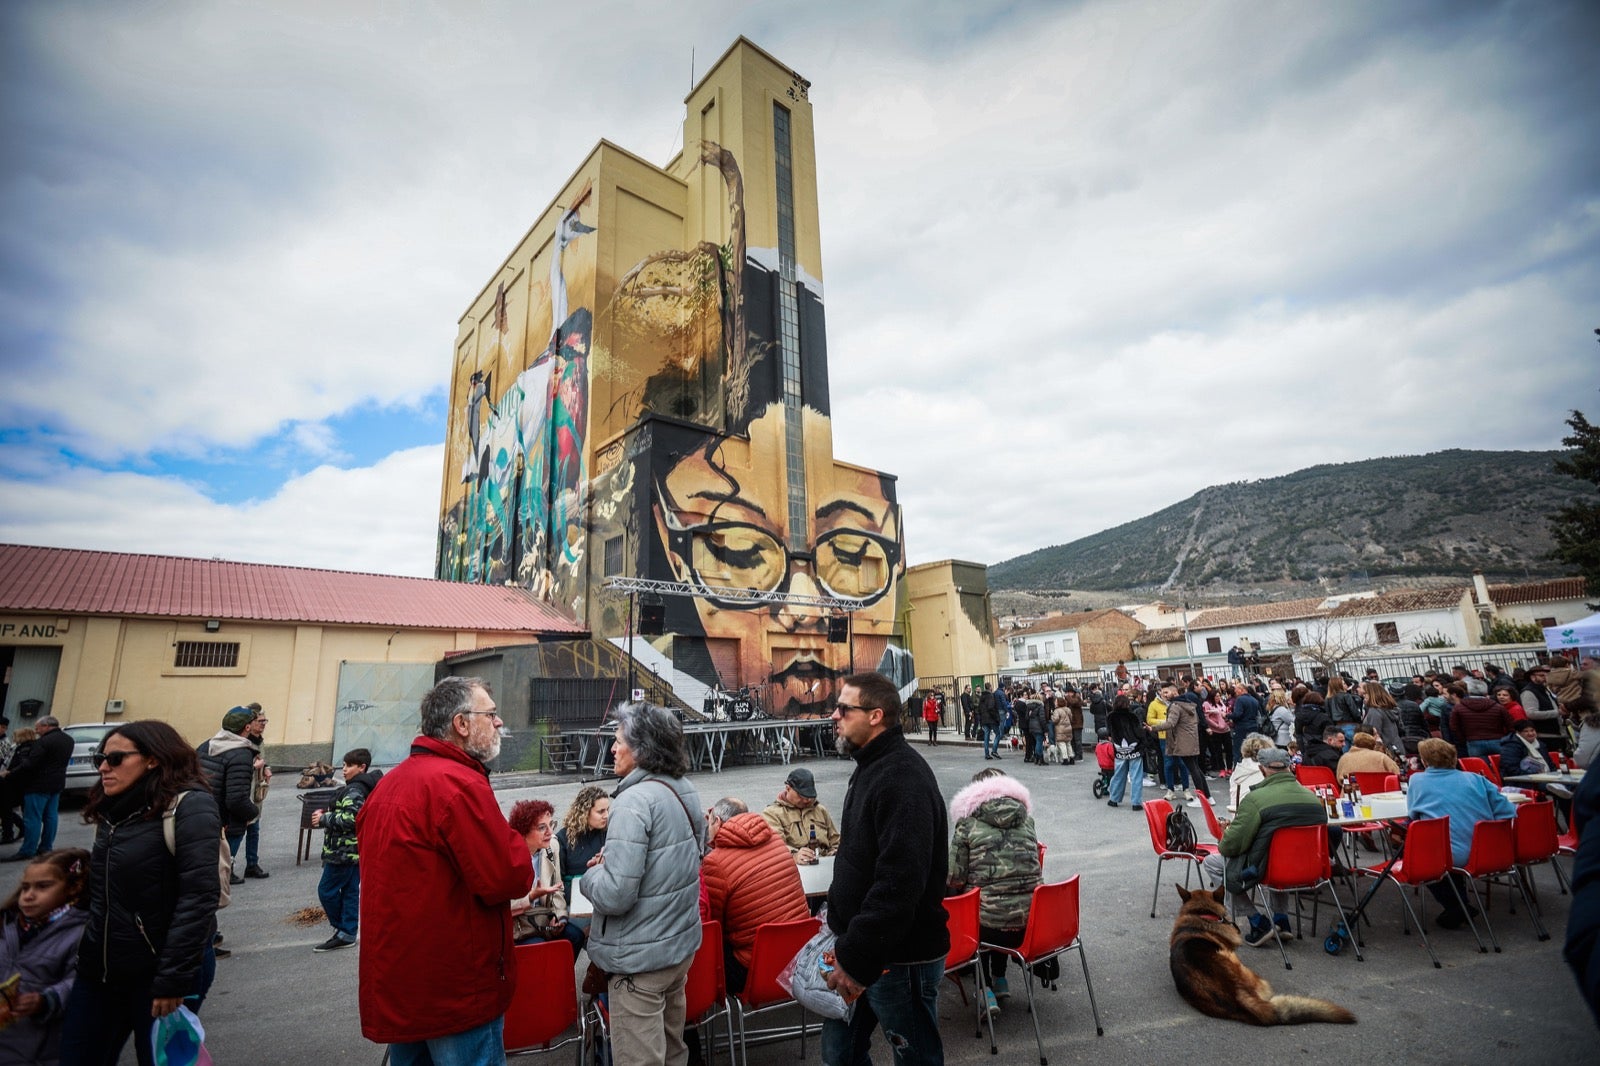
<point>88,734</point>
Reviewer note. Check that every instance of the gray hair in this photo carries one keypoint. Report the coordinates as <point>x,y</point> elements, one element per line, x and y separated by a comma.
<point>728,806</point>
<point>446,700</point>
<point>656,737</point>
<point>50,720</point>
<point>1254,744</point>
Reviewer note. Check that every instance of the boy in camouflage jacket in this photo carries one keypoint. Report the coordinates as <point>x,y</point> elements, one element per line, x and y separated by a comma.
<point>340,887</point>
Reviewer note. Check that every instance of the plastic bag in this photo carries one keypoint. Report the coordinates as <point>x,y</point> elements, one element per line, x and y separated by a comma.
<point>806,979</point>
<point>178,1039</point>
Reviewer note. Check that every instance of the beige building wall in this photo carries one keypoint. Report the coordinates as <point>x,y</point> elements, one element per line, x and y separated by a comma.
<point>949,615</point>
<point>291,670</point>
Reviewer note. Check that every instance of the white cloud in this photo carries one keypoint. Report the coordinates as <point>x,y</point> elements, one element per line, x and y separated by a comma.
<point>1052,234</point>
<point>379,518</point>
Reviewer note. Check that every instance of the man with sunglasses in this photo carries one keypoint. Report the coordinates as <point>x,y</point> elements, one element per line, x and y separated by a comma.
<point>886,903</point>
<point>438,862</point>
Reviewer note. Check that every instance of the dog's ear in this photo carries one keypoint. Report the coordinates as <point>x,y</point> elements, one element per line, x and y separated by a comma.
<point>1219,892</point>
<point>1183,893</point>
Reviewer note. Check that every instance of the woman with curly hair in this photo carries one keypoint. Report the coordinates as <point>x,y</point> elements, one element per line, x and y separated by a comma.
<point>581,836</point>
<point>542,914</point>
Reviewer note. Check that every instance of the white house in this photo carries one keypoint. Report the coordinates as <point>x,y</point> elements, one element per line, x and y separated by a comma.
<point>1544,603</point>
<point>1399,619</point>
<point>1269,625</point>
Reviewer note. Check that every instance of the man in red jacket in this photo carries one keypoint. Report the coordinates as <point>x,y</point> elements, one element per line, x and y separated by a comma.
<point>438,865</point>
<point>750,880</point>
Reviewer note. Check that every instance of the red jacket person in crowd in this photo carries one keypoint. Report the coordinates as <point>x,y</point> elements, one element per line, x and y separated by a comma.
<point>438,863</point>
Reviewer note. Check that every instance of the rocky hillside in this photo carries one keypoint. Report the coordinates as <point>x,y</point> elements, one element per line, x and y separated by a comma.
<point>1408,519</point>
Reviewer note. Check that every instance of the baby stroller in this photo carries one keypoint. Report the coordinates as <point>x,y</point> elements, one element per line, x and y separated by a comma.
<point>1105,753</point>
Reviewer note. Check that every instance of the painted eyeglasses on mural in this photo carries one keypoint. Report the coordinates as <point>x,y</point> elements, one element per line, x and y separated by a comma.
<point>847,564</point>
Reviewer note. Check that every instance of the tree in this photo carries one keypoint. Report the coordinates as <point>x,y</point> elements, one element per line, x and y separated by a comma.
<point>1328,642</point>
<point>1576,527</point>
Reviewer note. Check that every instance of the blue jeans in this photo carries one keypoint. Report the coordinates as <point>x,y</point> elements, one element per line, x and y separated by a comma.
<point>340,894</point>
<point>905,1000</point>
<point>1173,769</point>
<point>481,1046</point>
<point>39,822</point>
<point>1481,749</point>
<point>991,740</point>
<point>251,836</point>
<point>1128,774</point>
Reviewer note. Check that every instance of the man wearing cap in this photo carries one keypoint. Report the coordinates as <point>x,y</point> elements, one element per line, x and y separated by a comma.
<point>803,823</point>
<point>1241,856</point>
<point>1540,705</point>
<point>228,760</point>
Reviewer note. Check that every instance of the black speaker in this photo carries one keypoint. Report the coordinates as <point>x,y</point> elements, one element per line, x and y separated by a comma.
<point>838,629</point>
<point>652,619</point>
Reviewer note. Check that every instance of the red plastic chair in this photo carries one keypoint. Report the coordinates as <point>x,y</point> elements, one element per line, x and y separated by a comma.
<point>1472,764</point>
<point>962,911</point>
<point>1494,769</point>
<point>1053,920</point>
<point>1297,861</point>
<point>1312,776</point>
<point>705,991</point>
<point>775,944</point>
<point>1426,859</point>
<point>1538,842</point>
<point>1213,826</point>
<point>1371,782</point>
<point>545,1003</point>
<point>1155,816</point>
<point>1493,860</point>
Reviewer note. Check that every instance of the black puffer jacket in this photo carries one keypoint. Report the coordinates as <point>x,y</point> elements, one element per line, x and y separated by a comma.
<point>886,903</point>
<point>42,765</point>
<point>151,914</point>
<point>228,760</point>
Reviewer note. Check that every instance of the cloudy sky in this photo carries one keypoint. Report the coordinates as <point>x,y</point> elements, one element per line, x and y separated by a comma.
<point>1082,259</point>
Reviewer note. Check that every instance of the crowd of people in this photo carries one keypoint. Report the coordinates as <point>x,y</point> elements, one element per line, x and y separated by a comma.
<point>109,941</point>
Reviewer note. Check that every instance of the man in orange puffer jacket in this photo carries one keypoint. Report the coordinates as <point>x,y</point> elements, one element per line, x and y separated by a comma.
<point>750,880</point>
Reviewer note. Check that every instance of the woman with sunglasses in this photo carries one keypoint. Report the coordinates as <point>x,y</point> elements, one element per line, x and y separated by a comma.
<point>152,910</point>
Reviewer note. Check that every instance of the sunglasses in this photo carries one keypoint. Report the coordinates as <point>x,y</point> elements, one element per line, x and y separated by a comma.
<point>113,757</point>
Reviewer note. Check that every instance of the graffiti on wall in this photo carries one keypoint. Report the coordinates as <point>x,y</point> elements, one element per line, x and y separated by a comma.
<point>739,490</point>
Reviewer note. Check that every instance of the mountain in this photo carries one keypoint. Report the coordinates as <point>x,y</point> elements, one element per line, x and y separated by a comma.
<point>1409,517</point>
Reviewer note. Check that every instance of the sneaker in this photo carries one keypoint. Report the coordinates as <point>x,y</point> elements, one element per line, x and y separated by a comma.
<point>1262,933</point>
<point>333,943</point>
<point>220,953</point>
<point>990,1004</point>
<point>1112,803</point>
<point>1280,922</point>
<point>1002,988</point>
<point>1170,796</point>
<point>1194,800</point>
<point>235,879</point>
<point>1137,807</point>
<point>256,872</point>
<point>1451,920</point>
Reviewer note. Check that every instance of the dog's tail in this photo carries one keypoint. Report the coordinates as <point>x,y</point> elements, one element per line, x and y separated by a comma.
<point>1297,1010</point>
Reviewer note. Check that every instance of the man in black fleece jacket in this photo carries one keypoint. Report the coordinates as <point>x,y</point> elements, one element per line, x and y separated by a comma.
<point>886,903</point>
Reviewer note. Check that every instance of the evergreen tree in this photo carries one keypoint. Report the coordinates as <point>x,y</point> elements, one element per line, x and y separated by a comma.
<point>1576,527</point>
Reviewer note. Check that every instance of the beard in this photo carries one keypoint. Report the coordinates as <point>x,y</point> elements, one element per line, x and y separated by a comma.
<point>487,751</point>
<point>843,745</point>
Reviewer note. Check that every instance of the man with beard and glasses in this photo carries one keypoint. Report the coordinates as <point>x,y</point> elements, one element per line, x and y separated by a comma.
<point>886,902</point>
<point>438,862</point>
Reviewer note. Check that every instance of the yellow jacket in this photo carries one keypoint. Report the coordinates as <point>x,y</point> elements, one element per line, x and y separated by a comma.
<point>1156,712</point>
<point>794,825</point>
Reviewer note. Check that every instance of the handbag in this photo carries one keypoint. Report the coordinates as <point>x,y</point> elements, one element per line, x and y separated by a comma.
<point>806,977</point>
<point>178,1039</point>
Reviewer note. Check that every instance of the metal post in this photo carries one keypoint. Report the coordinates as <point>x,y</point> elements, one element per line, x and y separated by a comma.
<point>631,664</point>
<point>850,631</point>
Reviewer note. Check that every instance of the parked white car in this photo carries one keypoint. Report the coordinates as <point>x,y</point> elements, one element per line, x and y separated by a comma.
<point>81,774</point>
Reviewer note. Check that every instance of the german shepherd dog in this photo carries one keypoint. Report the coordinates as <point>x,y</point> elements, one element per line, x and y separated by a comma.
<point>1209,974</point>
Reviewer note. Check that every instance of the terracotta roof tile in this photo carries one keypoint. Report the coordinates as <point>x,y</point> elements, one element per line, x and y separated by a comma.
<point>1256,613</point>
<point>70,581</point>
<point>1076,620</point>
<point>1399,602</point>
<point>1160,636</point>
<point>1562,588</point>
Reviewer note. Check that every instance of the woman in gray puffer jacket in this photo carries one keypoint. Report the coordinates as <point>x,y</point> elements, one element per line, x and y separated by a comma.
<point>645,887</point>
<point>996,850</point>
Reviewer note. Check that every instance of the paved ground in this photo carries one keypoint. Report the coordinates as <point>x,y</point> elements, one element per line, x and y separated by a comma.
<point>277,1002</point>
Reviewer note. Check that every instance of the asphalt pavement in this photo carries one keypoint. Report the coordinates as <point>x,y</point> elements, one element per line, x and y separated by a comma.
<point>275,1001</point>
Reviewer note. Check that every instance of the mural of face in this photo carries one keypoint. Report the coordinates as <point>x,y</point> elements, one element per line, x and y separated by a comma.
<point>723,514</point>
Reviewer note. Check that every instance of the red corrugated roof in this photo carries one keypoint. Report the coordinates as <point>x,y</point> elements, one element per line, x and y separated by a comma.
<point>69,581</point>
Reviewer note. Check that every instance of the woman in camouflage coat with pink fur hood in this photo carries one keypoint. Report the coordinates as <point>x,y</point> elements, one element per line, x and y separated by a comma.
<point>996,850</point>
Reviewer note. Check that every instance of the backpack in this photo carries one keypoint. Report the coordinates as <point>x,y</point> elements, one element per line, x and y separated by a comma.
<point>1180,833</point>
<point>1048,972</point>
<point>169,833</point>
